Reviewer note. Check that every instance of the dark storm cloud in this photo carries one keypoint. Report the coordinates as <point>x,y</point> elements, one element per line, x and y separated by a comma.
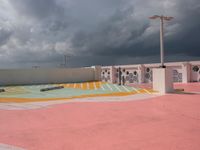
<point>40,32</point>
<point>186,39</point>
<point>110,38</point>
<point>113,36</point>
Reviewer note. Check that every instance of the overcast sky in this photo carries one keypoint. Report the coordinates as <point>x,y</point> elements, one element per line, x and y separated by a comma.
<point>95,32</point>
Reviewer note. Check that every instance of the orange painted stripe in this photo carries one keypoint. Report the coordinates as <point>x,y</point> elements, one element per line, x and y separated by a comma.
<point>66,85</point>
<point>71,85</point>
<point>78,85</point>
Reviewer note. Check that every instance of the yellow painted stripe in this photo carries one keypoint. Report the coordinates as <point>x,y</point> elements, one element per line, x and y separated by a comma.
<point>78,85</point>
<point>84,86</point>
<point>97,85</point>
<point>91,86</point>
<point>147,91</point>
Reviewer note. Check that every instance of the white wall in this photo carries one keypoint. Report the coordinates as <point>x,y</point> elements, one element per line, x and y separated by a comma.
<point>45,76</point>
<point>182,72</point>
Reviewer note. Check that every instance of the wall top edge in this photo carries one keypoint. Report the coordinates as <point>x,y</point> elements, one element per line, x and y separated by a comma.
<point>177,64</point>
<point>39,69</point>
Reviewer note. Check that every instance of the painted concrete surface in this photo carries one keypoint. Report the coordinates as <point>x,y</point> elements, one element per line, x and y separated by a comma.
<point>42,104</point>
<point>158,123</point>
<point>9,147</point>
<point>70,91</point>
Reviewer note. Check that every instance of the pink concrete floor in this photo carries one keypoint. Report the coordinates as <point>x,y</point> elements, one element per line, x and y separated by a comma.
<point>189,87</point>
<point>170,122</point>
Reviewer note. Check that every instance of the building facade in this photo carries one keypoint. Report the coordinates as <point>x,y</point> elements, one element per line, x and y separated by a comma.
<point>142,73</point>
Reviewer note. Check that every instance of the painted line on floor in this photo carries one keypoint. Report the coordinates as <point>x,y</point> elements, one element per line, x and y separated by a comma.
<point>126,89</point>
<point>117,88</point>
<point>136,90</point>
<point>91,85</point>
<point>109,86</point>
<point>88,86</point>
<point>81,85</point>
<point>147,91</point>
<point>102,86</point>
<point>95,87</point>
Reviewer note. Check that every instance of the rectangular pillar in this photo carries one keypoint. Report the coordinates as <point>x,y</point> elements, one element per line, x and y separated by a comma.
<point>112,74</point>
<point>186,72</point>
<point>141,73</point>
<point>97,73</point>
<point>163,80</point>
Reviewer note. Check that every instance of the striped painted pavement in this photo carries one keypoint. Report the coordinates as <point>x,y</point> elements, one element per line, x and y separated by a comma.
<point>71,90</point>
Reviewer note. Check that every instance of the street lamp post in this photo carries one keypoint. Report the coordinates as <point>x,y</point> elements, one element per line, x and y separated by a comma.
<point>65,60</point>
<point>162,18</point>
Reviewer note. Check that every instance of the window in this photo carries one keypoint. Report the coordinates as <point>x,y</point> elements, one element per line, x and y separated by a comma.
<point>195,68</point>
<point>148,70</point>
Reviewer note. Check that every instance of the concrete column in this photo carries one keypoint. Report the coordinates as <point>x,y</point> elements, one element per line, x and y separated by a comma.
<point>163,80</point>
<point>97,73</point>
<point>141,73</point>
<point>112,74</point>
<point>186,72</point>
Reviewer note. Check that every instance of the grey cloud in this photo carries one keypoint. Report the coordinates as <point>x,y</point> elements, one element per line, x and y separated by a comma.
<point>36,8</point>
<point>110,40</point>
<point>5,34</point>
<point>96,31</point>
<point>112,35</point>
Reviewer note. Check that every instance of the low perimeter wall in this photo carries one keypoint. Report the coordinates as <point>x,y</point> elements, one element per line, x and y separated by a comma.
<point>46,76</point>
<point>142,73</point>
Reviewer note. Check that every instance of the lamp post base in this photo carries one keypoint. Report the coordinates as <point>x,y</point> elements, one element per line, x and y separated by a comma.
<point>162,80</point>
<point>162,66</point>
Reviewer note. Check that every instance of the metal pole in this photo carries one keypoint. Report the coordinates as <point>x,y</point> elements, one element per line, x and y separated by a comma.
<point>162,18</point>
<point>161,43</point>
<point>65,60</point>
